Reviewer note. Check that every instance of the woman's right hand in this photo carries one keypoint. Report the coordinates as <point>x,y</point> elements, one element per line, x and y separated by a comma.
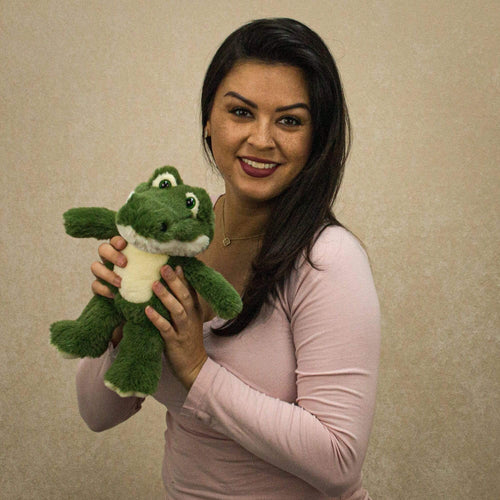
<point>109,252</point>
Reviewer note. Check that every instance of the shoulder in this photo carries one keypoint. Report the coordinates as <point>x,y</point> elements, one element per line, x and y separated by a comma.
<point>335,284</point>
<point>338,247</point>
<point>337,262</point>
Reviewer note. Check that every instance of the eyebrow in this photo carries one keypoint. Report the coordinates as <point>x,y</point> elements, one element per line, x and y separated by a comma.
<point>253,105</point>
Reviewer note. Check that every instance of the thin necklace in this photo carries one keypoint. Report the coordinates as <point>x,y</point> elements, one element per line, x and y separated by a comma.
<point>226,240</point>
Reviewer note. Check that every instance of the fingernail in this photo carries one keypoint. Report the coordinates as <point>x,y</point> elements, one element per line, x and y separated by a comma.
<point>117,282</point>
<point>168,272</point>
<point>178,271</point>
<point>122,261</point>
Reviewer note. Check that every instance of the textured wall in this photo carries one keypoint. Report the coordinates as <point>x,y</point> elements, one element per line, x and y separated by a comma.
<point>95,94</point>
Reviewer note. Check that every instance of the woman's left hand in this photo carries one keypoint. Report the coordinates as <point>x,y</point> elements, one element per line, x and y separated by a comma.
<point>183,334</point>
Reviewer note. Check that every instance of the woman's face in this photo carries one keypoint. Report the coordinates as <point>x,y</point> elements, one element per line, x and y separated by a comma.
<point>260,128</point>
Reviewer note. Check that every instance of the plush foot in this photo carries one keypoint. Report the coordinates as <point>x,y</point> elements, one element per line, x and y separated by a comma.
<point>137,368</point>
<point>90,334</point>
<point>133,377</point>
<point>124,394</point>
<point>73,340</point>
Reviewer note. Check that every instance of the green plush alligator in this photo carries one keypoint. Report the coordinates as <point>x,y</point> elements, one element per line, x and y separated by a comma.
<point>164,221</point>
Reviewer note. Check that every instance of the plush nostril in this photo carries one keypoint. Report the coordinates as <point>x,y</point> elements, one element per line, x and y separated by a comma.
<point>164,226</point>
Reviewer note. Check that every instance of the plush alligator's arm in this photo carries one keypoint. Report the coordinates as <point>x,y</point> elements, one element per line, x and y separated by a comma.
<point>90,222</point>
<point>211,285</point>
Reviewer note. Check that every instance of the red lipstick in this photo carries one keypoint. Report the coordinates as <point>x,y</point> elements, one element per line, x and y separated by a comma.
<point>257,172</point>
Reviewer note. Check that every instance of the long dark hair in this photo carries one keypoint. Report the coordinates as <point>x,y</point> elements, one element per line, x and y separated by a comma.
<point>305,207</point>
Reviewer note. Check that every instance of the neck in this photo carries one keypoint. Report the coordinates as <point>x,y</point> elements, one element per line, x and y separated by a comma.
<point>239,219</point>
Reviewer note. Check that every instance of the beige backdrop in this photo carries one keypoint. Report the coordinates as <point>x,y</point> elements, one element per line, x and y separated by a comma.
<point>95,94</point>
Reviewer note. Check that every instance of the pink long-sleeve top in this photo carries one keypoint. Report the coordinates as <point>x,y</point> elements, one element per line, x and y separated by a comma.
<point>282,410</point>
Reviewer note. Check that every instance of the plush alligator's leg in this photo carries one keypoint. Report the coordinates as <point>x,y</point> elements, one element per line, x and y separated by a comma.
<point>137,368</point>
<point>90,334</point>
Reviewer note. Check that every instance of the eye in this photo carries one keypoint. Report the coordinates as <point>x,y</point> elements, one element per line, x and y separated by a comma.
<point>241,112</point>
<point>164,181</point>
<point>290,121</point>
<point>192,203</point>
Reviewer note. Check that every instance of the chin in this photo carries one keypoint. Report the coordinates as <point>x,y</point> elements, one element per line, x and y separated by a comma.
<point>259,197</point>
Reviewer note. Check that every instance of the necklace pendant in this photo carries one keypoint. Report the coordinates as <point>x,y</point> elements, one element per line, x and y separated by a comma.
<point>226,241</point>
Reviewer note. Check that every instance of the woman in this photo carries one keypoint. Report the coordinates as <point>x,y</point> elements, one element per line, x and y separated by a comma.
<point>278,403</point>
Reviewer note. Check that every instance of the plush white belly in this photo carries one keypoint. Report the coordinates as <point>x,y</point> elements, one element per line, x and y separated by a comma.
<point>138,276</point>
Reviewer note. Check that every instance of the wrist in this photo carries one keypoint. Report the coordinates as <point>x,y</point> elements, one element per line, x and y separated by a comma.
<point>188,379</point>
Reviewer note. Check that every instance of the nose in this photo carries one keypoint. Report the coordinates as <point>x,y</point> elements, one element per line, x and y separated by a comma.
<point>261,135</point>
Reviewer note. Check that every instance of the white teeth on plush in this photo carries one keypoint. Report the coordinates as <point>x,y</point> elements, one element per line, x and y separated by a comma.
<point>172,247</point>
<point>256,164</point>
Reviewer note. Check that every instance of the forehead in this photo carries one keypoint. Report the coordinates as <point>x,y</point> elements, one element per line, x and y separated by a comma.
<point>279,83</point>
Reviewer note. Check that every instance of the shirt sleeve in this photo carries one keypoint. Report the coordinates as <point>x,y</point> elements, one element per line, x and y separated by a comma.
<point>100,407</point>
<point>335,323</point>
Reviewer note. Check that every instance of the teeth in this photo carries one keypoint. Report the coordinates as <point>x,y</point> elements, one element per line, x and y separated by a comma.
<point>256,164</point>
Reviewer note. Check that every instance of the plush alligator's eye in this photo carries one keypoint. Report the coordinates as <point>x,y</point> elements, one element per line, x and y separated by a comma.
<point>192,203</point>
<point>164,181</point>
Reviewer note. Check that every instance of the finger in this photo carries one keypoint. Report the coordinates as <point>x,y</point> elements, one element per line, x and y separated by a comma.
<point>99,270</point>
<point>108,253</point>
<point>175,308</point>
<point>164,327</point>
<point>118,242</point>
<point>194,294</point>
<point>180,274</point>
<point>100,289</point>
<point>178,287</point>
<point>117,335</point>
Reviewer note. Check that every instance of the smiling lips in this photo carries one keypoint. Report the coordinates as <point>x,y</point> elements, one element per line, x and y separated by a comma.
<point>256,168</point>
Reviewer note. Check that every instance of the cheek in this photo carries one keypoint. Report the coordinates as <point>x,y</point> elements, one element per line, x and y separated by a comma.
<point>223,152</point>
<point>299,149</point>
<point>221,134</point>
<point>225,143</point>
